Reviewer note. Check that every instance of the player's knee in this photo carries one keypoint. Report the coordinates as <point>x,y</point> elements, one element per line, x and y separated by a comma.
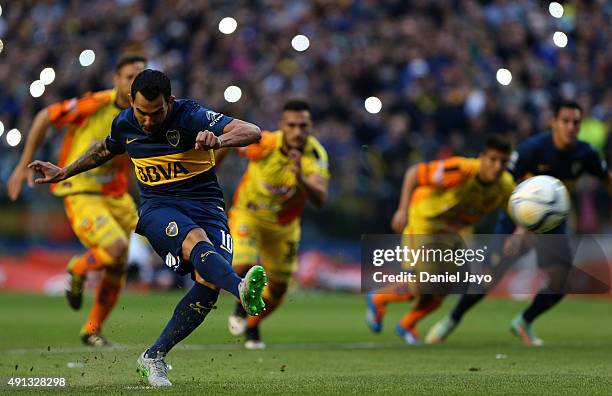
<point>193,238</point>
<point>198,279</point>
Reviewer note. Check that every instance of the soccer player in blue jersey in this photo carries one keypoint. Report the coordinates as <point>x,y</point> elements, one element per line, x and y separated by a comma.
<point>182,211</point>
<point>559,154</point>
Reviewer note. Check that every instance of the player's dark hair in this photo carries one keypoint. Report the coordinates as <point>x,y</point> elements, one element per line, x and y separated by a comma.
<point>296,105</point>
<point>569,104</point>
<point>151,83</point>
<point>128,59</point>
<point>498,143</point>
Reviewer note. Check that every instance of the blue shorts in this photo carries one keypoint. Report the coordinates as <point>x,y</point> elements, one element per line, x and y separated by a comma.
<point>166,223</point>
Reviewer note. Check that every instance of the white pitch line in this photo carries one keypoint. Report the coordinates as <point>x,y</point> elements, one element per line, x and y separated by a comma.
<point>212,347</point>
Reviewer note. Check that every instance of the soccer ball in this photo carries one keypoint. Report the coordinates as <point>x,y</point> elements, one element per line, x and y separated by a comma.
<point>539,203</point>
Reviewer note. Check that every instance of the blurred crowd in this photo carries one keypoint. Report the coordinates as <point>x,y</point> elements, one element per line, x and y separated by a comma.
<point>432,63</point>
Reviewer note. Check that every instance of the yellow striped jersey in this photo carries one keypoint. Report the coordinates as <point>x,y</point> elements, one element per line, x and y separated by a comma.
<point>450,197</point>
<point>268,189</point>
<point>88,118</point>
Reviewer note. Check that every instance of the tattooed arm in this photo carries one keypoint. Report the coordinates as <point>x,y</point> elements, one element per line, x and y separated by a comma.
<point>94,157</point>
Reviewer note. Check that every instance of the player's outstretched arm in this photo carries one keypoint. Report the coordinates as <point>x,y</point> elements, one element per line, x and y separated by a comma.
<point>400,218</point>
<point>21,172</point>
<point>237,133</point>
<point>94,157</point>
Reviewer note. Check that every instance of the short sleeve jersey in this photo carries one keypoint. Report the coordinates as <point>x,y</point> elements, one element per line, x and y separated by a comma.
<point>268,190</point>
<point>450,197</point>
<point>166,163</point>
<point>538,156</point>
<point>88,119</point>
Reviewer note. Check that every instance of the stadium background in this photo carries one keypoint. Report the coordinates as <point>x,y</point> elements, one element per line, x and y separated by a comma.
<point>435,66</point>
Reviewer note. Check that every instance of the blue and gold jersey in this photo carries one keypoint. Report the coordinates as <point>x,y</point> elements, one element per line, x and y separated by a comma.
<point>538,156</point>
<point>166,163</point>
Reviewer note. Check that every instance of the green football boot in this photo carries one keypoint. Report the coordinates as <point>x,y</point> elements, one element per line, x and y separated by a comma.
<point>520,328</point>
<point>251,289</point>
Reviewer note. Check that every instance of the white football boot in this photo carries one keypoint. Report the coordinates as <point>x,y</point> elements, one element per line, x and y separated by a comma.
<point>154,369</point>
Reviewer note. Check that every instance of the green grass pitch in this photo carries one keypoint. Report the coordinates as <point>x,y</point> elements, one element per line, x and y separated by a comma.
<point>318,344</point>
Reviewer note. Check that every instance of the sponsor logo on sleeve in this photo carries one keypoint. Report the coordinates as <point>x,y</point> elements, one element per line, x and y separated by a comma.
<point>213,117</point>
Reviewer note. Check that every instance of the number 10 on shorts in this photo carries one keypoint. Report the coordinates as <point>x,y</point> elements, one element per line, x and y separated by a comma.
<point>226,241</point>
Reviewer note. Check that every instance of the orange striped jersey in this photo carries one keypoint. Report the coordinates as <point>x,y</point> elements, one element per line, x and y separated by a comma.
<point>89,119</point>
<point>268,189</point>
<point>450,197</point>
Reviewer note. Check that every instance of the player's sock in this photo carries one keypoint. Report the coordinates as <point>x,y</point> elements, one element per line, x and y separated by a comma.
<point>391,293</point>
<point>240,311</point>
<point>106,296</point>
<point>540,304</point>
<point>94,259</point>
<point>253,339</point>
<point>426,304</point>
<point>214,268</point>
<point>466,302</point>
<point>188,315</point>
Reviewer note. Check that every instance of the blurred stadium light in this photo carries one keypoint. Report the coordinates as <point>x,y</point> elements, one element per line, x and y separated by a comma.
<point>87,58</point>
<point>228,25</point>
<point>37,88</point>
<point>300,43</point>
<point>13,137</point>
<point>232,94</point>
<point>1,128</point>
<point>503,76</point>
<point>560,39</point>
<point>555,9</point>
<point>47,75</point>
<point>373,105</point>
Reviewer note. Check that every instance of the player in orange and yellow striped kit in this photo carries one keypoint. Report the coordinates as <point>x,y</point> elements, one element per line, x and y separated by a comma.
<point>286,168</point>
<point>442,197</point>
<point>101,212</point>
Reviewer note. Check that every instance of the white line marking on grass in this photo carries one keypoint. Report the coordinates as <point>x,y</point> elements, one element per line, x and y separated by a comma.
<point>289,346</point>
<point>25,351</point>
<point>213,347</point>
